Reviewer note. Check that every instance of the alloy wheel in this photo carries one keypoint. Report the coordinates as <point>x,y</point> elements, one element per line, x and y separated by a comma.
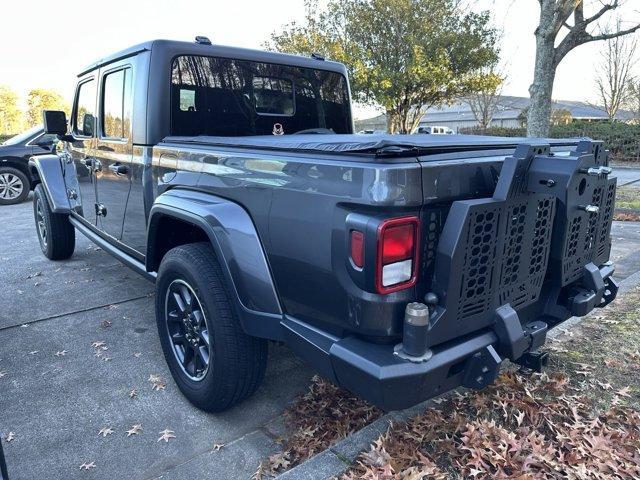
<point>10,186</point>
<point>42,226</point>
<point>188,330</point>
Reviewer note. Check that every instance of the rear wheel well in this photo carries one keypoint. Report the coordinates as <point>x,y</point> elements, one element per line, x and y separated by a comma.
<point>169,232</point>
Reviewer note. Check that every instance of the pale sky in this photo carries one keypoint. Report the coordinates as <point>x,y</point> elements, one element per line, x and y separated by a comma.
<point>44,44</point>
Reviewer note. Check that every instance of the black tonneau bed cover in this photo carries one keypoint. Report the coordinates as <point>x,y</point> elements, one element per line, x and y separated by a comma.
<point>383,144</point>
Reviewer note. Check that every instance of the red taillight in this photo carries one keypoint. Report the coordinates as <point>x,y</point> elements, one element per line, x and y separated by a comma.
<point>357,248</point>
<point>397,243</point>
<point>397,256</point>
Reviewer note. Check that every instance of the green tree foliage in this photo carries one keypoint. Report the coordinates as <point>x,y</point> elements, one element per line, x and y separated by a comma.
<point>10,114</point>
<point>404,55</point>
<point>561,116</point>
<point>42,99</point>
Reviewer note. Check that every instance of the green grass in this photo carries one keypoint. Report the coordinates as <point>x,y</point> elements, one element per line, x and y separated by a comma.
<point>628,198</point>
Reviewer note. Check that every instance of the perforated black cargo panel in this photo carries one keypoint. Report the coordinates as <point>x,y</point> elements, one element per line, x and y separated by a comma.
<point>548,218</point>
<point>479,259</point>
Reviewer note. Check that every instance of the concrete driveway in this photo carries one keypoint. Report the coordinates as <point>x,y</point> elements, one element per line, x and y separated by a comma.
<point>627,176</point>
<point>56,394</point>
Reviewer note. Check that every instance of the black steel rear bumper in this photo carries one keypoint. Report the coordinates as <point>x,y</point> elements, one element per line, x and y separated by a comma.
<point>375,373</point>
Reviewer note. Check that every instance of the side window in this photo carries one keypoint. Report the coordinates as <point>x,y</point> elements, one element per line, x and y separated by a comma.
<point>116,104</point>
<point>187,100</point>
<point>84,121</point>
<point>46,140</point>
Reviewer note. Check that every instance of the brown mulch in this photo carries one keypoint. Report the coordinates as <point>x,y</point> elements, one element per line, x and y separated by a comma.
<point>626,217</point>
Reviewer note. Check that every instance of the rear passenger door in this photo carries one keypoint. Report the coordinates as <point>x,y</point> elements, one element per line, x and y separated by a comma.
<point>114,147</point>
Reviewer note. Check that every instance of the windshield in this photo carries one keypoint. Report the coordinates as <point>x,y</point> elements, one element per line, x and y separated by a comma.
<point>227,97</point>
<point>24,136</point>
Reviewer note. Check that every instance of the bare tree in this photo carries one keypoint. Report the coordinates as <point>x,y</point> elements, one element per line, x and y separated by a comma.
<point>568,17</point>
<point>614,73</point>
<point>485,102</point>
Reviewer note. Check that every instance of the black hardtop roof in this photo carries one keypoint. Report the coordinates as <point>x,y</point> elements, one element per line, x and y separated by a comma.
<point>185,48</point>
<point>372,144</point>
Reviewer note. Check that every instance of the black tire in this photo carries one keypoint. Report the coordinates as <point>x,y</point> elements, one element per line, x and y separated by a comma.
<point>56,235</point>
<point>236,361</point>
<point>14,186</point>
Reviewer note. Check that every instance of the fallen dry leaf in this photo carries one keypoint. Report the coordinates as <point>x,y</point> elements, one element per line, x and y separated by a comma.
<point>624,392</point>
<point>87,466</point>
<point>217,446</point>
<point>60,353</point>
<point>157,382</point>
<point>135,430</point>
<point>133,393</point>
<point>104,431</point>
<point>10,436</point>
<point>166,434</point>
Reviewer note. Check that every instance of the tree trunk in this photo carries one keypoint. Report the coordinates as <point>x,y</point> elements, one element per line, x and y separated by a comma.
<point>541,90</point>
<point>392,120</point>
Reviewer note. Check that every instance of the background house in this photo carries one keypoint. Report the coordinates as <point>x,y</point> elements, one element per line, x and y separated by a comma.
<point>508,115</point>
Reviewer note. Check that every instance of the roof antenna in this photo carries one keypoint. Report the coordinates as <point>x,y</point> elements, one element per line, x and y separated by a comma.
<point>317,56</point>
<point>203,40</point>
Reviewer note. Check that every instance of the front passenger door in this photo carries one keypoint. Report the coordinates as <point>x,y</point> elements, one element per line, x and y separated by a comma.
<point>114,149</point>
<point>82,148</point>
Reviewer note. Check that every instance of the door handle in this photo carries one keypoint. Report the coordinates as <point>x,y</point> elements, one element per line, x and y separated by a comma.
<point>118,169</point>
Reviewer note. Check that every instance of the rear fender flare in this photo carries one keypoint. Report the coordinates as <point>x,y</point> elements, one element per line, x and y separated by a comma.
<point>237,245</point>
<point>48,169</point>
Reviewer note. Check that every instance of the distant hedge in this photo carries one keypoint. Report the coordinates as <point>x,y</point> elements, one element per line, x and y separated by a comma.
<point>622,139</point>
<point>4,137</point>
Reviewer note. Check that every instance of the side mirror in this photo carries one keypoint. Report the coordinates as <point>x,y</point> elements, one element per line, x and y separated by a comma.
<point>55,122</point>
<point>88,125</point>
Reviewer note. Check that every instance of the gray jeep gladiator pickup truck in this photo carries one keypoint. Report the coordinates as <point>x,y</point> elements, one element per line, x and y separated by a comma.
<point>399,266</point>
